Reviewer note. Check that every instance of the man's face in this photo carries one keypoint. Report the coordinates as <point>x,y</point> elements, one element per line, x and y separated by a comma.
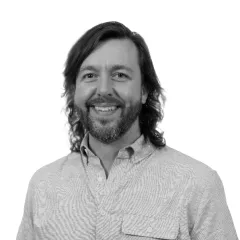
<point>110,75</point>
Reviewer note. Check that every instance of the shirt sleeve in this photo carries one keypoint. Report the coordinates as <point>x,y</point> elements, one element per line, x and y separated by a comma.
<point>213,220</point>
<point>25,231</point>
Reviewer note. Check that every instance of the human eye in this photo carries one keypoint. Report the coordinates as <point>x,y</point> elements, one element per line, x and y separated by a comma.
<point>89,76</point>
<point>120,75</point>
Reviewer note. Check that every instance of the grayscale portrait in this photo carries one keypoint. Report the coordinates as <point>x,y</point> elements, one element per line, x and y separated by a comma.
<point>121,180</point>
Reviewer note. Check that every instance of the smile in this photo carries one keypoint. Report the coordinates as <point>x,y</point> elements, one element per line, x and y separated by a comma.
<point>105,111</point>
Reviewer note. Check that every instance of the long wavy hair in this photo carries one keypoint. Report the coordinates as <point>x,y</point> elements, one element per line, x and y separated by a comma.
<point>152,110</point>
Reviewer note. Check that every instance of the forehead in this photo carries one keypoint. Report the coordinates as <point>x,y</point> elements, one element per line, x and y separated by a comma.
<point>115,51</point>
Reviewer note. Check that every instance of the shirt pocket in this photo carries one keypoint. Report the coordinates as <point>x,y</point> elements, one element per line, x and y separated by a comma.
<point>150,228</point>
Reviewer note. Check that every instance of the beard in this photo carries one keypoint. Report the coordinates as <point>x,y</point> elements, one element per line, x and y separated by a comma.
<point>109,130</point>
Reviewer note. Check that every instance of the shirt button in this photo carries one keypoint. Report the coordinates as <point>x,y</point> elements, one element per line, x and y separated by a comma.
<point>149,229</point>
<point>99,179</point>
<point>102,212</point>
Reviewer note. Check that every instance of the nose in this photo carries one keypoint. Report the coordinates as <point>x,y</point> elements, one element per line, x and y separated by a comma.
<point>104,86</point>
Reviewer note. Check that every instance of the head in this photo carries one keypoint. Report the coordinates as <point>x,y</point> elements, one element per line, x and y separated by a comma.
<point>112,65</point>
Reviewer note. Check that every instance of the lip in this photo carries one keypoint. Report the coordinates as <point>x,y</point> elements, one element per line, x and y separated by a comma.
<point>104,105</point>
<point>108,113</point>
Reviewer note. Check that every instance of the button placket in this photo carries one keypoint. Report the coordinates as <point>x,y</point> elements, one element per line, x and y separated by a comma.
<point>99,187</point>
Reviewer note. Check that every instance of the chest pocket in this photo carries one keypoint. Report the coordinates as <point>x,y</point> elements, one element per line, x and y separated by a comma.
<point>144,227</point>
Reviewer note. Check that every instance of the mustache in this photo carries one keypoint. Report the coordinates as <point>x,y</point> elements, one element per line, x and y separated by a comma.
<point>106,100</point>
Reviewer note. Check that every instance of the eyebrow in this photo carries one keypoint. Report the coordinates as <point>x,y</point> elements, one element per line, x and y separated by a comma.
<point>112,68</point>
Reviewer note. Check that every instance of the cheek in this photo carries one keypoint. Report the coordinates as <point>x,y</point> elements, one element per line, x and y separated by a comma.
<point>129,95</point>
<point>81,96</point>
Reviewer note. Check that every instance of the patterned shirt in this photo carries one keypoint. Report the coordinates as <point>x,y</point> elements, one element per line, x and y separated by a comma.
<point>150,193</point>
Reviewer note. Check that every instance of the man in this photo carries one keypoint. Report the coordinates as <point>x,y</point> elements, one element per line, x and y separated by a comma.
<point>121,180</point>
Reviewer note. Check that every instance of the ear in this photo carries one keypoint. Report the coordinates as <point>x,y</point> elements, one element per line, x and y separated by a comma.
<point>144,95</point>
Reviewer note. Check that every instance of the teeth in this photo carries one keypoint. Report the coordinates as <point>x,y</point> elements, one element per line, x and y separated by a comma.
<point>105,109</point>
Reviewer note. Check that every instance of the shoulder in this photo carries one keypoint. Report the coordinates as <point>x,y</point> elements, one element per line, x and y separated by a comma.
<point>194,178</point>
<point>183,165</point>
<point>66,166</point>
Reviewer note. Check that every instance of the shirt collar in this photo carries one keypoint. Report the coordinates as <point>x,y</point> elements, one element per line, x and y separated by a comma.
<point>136,151</point>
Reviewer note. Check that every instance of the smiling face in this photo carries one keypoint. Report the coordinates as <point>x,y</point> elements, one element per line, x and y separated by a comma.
<point>110,75</point>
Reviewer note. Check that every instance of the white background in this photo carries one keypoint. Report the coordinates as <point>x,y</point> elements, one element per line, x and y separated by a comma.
<point>195,50</point>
